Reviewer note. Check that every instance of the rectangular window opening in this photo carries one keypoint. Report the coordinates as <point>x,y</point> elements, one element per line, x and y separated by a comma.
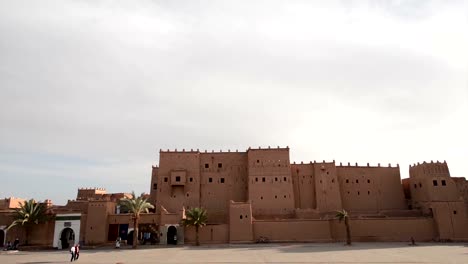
<point>444,183</point>
<point>222,180</point>
<point>177,178</point>
<point>210,179</point>
<point>434,182</point>
<point>220,165</point>
<point>263,179</point>
<point>207,165</point>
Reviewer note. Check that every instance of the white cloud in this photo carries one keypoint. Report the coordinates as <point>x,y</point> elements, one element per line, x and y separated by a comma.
<point>113,82</point>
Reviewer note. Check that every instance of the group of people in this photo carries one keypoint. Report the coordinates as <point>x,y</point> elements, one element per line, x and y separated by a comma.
<point>75,252</point>
<point>14,246</point>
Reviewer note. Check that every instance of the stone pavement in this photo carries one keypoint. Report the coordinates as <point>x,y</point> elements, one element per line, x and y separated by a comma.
<point>258,253</point>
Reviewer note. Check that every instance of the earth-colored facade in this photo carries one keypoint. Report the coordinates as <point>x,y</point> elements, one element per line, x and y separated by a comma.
<point>259,193</point>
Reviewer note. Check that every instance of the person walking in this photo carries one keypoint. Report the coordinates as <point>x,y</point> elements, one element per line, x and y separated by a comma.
<point>77,251</point>
<point>72,251</point>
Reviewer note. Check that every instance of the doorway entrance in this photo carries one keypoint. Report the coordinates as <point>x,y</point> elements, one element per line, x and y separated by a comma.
<point>172,235</point>
<point>67,238</point>
<point>2,238</point>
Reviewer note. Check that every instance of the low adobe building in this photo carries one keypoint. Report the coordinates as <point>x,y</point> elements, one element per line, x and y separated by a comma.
<point>259,193</point>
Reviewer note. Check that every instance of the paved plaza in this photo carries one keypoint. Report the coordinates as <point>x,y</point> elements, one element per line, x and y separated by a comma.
<point>258,253</point>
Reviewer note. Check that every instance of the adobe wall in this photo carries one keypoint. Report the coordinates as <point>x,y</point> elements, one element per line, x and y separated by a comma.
<point>174,195</point>
<point>451,219</point>
<point>304,186</point>
<point>216,234</point>
<point>240,222</point>
<point>223,178</point>
<point>154,184</point>
<point>365,188</point>
<point>432,182</point>
<point>11,203</point>
<point>40,234</point>
<point>270,182</point>
<point>329,198</point>
<point>96,224</point>
<point>90,193</point>
<point>385,229</point>
<point>293,230</point>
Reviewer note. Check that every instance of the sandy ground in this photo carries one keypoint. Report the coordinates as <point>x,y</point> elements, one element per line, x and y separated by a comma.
<point>258,253</point>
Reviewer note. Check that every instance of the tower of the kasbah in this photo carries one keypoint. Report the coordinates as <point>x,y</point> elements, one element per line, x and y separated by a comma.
<point>259,194</point>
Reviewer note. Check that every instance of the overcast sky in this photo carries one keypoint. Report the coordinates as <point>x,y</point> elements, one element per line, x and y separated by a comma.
<point>91,90</point>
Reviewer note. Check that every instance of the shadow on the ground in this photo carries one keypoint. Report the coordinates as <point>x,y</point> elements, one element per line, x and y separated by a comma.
<point>316,247</point>
<point>39,262</point>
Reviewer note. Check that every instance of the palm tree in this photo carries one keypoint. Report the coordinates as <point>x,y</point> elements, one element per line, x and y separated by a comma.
<point>196,217</point>
<point>29,213</point>
<point>343,215</point>
<point>135,206</point>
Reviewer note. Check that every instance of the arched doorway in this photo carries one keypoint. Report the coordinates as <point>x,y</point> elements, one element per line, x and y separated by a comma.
<point>172,235</point>
<point>130,238</point>
<point>67,238</point>
<point>2,238</point>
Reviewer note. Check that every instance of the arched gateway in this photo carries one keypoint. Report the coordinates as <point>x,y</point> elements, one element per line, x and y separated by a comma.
<point>172,235</point>
<point>2,238</point>
<point>67,230</point>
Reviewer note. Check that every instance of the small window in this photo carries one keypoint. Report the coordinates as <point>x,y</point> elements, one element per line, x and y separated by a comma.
<point>454,212</point>
<point>444,183</point>
<point>165,179</point>
<point>207,165</point>
<point>210,179</point>
<point>256,179</point>
<point>285,196</point>
<point>333,180</point>
<point>434,182</point>
<point>191,179</point>
<point>177,178</point>
<point>155,186</point>
<point>263,179</point>
<point>415,186</point>
<point>187,194</point>
<point>261,197</point>
<point>240,216</point>
<point>276,178</point>
<point>357,181</point>
<point>328,172</point>
<point>258,161</point>
<point>420,185</point>
<point>368,192</point>
<point>368,181</point>
<point>347,180</point>
<point>245,216</point>
<point>222,180</point>
<point>358,193</point>
<point>276,196</point>
<point>220,165</point>
<point>320,181</point>
<point>284,179</point>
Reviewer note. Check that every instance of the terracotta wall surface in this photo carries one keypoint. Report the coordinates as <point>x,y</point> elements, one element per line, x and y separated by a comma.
<point>223,178</point>
<point>270,182</point>
<point>240,222</point>
<point>96,224</point>
<point>304,186</point>
<point>293,230</point>
<point>371,188</point>
<point>174,197</point>
<point>451,219</point>
<point>397,229</point>
<point>208,234</point>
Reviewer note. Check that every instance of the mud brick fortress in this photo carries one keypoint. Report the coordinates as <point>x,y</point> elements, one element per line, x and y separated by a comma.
<point>259,193</point>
